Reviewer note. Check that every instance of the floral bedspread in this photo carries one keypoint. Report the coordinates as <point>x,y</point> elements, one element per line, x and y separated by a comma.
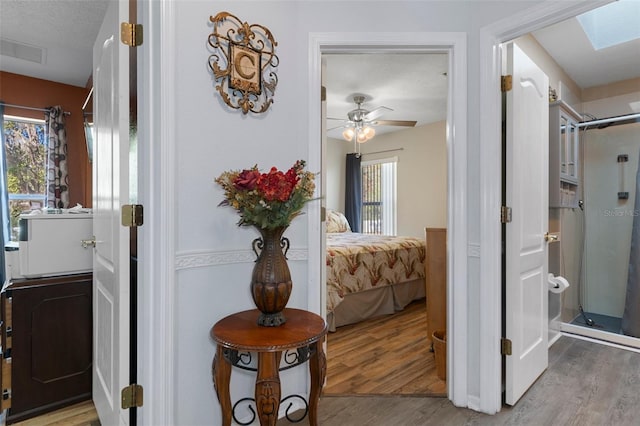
<point>358,262</point>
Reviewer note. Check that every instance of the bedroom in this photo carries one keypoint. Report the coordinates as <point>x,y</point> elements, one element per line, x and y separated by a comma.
<point>416,146</point>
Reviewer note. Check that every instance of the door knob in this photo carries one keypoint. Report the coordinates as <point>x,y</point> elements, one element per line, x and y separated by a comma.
<point>90,242</point>
<point>551,237</point>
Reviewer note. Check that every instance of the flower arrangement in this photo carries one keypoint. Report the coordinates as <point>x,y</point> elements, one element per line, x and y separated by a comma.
<point>267,200</point>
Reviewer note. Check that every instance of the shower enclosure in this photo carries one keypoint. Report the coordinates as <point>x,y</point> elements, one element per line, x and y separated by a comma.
<point>596,255</point>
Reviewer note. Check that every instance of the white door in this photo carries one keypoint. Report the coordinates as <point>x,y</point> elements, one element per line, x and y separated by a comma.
<point>527,164</point>
<point>110,192</point>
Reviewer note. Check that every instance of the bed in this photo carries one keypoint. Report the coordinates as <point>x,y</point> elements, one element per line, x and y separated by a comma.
<point>370,275</point>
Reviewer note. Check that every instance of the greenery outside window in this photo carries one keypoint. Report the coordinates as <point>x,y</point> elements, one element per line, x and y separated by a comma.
<point>25,151</point>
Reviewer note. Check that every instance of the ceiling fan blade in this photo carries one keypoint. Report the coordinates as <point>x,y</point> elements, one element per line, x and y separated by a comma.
<point>404,123</point>
<point>375,113</point>
<point>341,126</point>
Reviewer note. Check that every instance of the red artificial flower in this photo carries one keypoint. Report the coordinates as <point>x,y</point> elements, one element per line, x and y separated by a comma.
<point>275,185</point>
<point>267,200</point>
<point>247,180</point>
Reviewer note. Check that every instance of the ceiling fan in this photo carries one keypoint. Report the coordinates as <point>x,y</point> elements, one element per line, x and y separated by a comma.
<point>360,122</point>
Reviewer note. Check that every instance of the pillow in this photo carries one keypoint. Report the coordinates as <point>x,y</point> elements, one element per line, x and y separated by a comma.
<point>336,222</point>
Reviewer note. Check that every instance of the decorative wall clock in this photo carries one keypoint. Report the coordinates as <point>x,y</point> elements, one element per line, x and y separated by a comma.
<point>243,63</point>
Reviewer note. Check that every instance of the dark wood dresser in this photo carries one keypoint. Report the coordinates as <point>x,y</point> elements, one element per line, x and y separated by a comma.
<point>46,344</point>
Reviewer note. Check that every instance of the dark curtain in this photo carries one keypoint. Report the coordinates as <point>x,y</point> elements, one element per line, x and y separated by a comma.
<point>4,199</point>
<point>631,315</point>
<point>353,193</point>
<point>57,174</point>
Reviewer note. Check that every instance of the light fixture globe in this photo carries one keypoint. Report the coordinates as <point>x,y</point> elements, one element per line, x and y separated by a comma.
<point>369,132</point>
<point>348,134</point>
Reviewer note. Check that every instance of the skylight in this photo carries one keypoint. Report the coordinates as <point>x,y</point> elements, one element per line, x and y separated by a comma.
<point>612,24</point>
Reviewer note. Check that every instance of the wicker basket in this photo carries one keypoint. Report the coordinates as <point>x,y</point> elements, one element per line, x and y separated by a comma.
<point>440,352</point>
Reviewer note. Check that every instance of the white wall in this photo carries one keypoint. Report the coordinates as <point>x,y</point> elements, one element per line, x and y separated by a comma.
<point>337,150</point>
<point>213,256</point>
<point>422,175</point>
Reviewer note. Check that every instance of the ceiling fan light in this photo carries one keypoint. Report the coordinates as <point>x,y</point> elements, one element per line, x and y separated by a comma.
<point>361,137</point>
<point>348,134</point>
<point>369,132</point>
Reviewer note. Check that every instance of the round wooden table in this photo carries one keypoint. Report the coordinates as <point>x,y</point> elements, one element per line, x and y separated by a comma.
<point>239,333</point>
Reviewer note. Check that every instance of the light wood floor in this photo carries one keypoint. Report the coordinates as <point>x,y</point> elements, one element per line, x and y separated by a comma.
<point>388,355</point>
<point>586,384</point>
<point>82,414</point>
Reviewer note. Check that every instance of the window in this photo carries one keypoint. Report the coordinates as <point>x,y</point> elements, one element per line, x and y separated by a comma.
<point>612,24</point>
<point>24,147</point>
<point>379,196</point>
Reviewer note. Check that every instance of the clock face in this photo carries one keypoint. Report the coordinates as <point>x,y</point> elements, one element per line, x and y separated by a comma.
<point>245,68</point>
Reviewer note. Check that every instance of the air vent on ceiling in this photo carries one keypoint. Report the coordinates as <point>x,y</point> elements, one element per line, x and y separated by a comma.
<point>22,51</point>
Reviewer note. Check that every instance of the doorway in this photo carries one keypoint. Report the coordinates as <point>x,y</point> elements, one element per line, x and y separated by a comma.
<point>380,303</point>
<point>490,399</point>
<point>455,45</point>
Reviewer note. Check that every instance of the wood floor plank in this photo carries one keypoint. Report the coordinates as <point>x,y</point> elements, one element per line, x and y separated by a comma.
<point>384,356</point>
<point>586,384</point>
<point>82,414</point>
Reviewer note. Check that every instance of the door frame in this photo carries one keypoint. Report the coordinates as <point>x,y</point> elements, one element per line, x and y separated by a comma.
<point>157,350</point>
<point>490,303</point>
<point>455,44</point>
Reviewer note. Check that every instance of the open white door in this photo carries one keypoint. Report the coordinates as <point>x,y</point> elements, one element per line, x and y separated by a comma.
<point>527,177</point>
<point>110,192</point>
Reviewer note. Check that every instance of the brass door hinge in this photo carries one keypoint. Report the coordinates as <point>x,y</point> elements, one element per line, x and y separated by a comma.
<point>132,215</point>
<point>132,396</point>
<point>131,34</point>
<point>505,214</point>
<point>506,83</point>
<point>505,346</point>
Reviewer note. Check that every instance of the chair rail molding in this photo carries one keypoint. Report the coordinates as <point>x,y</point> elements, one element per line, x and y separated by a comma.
<point>207,258</point>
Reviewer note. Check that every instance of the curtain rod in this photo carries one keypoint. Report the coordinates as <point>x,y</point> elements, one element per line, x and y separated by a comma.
<point>32,108</point>
<point>382,152</point>
<point>610,120</point>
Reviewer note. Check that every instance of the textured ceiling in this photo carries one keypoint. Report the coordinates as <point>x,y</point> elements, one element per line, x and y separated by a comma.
<point>65,29</point>
<point>414,86</point>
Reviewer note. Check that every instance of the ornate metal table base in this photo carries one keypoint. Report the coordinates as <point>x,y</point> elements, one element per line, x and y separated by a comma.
<point>291,358</point>
<point>252,411</point>
<point>238,336</point>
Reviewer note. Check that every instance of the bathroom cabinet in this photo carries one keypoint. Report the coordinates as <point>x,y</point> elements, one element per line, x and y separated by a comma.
<point>564,164</point>
<point>46,344</point>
